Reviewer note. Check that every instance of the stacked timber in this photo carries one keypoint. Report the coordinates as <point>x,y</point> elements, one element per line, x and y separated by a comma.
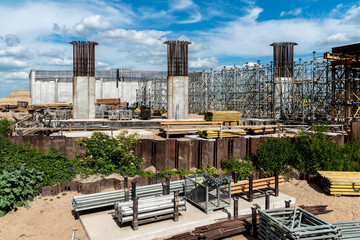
<point>111,103</point>
<point>222,133</point>
<point>243,186</point>
<point>340,183</point>
<point>225,116</point>
<point>59,105</point>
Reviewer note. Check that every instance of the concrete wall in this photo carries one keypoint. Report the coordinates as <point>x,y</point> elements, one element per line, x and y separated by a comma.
<point>51,90</point>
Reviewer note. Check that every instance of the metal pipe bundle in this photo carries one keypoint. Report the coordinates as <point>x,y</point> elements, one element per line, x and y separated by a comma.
<point>348,230</point>
<point>105,199</point>
<point>294,223</point>
<point>148,207</point>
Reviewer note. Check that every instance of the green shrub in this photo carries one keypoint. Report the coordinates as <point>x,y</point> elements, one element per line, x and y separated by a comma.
<point>5,126</point>
<point>17,187</point>
<point>106,155</point>
<point>275,155</point>
<point>243,167</point>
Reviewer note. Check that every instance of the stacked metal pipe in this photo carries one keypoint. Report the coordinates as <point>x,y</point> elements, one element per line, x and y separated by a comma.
<point>147,207</point>
<point>105,199</point>
<point>294,223</point>
<point>349,230</point>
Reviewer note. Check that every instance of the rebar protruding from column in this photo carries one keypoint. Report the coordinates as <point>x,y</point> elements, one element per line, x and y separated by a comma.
<point>177,52</point>
<point>236,206</point>
<point>267,200</point>
<point>287,203</point>
<point>133,189</point>
<point>135,223</point>
<point>84,58</point>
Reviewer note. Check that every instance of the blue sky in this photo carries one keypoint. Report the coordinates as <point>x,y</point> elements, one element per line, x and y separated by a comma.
<point>34,34</point>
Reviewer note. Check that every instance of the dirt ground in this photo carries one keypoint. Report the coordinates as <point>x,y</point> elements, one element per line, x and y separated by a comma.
<point>47,218</point>
<point>51,217</point>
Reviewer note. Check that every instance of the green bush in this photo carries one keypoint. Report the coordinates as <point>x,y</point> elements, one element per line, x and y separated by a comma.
<point>308,153</point>
<point>243,167</point>
<point>17,187</point>
<point>106,155</point>
<point>275,155</point>
<point>5,126</point>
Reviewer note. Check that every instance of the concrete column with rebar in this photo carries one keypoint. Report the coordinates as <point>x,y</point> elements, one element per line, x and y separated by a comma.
<point>177,82</point>
<point>83,79</point>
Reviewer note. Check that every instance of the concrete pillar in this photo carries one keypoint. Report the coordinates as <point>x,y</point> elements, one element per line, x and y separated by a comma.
<point>84,97</point>
<point>32,85</point>
<point>177,96</point>
<point>56,90</point>
<point>283,90</point>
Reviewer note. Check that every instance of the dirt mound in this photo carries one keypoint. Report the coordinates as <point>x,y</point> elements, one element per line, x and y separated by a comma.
<point>13,98</point>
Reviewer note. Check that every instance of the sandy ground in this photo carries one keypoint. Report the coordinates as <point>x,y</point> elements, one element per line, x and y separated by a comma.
<point>48,218</point>
<point>53,219</point>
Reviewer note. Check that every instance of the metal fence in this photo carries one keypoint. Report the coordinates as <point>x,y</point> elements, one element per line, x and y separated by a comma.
<point>206,197</point>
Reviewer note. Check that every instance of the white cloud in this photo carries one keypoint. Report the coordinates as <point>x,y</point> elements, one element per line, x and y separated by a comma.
<point>203,63</point>
<point>352,16</point>
<point>252,15</point>
<point>247,37</point>
<point>196,17</point>
<point>17,75</point>
<point>50,52</point>
<point>11,40</point>
<point>19,52</point>
<point>60,62</point>
<point>181,4</point>
<point>8,64</point>
<point>295,12</point>
<point>133,37</point>
<point>85,27</point>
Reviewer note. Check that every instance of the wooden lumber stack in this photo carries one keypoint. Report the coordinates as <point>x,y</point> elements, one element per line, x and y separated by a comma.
<point>59,105</point>
<point>243,186</point>
<point>186,127</point>
<point>229,116</point>
<point>340,183</point>
<point>111,103</point>
<point>225,133</point>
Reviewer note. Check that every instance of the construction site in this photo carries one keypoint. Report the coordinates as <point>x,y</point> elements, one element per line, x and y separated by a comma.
<point>197,120</point>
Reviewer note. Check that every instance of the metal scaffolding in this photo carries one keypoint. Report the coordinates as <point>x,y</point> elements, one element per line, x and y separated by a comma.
<point>250,89</point>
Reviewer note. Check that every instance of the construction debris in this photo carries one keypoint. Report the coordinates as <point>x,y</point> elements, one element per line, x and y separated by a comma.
<point>340,183</point>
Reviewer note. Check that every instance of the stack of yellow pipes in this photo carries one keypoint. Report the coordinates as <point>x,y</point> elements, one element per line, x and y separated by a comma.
<point>225,133</point>
<point>340,183</point>
<point>222,116</point>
